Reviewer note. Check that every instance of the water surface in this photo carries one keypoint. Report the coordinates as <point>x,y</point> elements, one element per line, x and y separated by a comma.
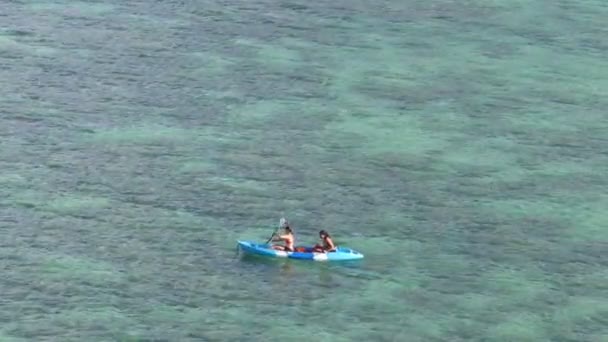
<point>461,146</point>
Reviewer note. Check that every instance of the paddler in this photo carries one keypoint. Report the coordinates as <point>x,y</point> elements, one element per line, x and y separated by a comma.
<point>327,243</point>
<point>289,239</point>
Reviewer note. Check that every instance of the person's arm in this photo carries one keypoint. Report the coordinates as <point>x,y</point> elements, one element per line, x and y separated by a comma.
<point>281,237</point>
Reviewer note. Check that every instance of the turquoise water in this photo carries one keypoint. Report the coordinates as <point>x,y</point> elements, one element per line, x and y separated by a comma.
<point>461,146</point>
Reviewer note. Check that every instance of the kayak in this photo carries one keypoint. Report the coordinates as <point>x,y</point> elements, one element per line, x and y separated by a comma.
<point>301,253</point>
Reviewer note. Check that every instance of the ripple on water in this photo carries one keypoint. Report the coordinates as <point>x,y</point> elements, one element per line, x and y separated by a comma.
<point>583,221</point>
<point>71,8</point>
<point>82,206</point>
<point>93,272</point>
<point>8,44</point>
<point>401,135</point>
<point>273,55</point>
<point>521,327</point>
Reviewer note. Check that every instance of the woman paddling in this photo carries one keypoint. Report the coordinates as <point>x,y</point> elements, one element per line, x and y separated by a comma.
<point>328,244</point>
<point>289,239</point>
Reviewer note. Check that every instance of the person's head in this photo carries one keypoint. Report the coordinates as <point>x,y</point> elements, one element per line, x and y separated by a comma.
<point>288,229</point>
<point>323,234</point>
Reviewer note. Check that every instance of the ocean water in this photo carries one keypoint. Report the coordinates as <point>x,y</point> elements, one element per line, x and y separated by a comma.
<point>462,146</point>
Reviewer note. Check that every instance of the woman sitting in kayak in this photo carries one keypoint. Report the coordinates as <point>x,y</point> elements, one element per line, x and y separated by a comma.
<point>289,239</point>
<point>328,244</point>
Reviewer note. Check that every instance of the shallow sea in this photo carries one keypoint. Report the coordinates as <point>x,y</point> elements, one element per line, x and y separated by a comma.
<point>462,146</point>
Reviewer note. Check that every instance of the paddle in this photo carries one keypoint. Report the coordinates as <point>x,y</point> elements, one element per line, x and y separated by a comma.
<point>282,223</point>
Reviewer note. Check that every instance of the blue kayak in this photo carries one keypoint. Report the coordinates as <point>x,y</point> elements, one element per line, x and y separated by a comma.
<point>302,253</point>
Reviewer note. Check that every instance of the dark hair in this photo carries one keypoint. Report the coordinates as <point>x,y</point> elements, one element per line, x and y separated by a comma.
<point>288,228</point>
<point>323,232</point>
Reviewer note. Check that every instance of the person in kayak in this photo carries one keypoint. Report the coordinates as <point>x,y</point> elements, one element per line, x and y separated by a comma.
<point>328,244</point>
<point>289,239</point>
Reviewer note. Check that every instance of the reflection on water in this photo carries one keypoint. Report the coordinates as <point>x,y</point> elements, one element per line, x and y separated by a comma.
<point>325,275</point>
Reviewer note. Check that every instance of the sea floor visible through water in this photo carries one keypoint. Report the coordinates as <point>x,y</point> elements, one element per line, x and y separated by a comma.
<point>462,146</point>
